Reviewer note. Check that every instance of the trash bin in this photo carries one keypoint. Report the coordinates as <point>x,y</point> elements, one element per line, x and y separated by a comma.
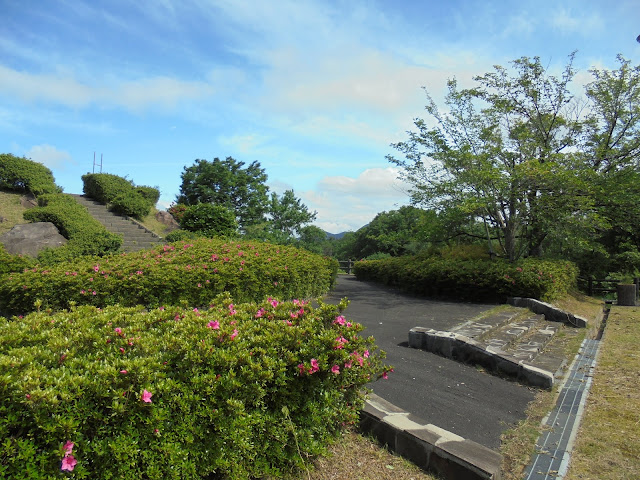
<point>626,294</point>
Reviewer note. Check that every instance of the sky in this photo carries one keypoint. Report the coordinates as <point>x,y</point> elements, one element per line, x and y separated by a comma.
<point>316,91</point>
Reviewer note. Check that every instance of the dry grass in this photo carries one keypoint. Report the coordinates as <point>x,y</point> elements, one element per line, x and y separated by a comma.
<point>608,443</point>
<point>154,225</point>
<point>356,457</point>
<point>10,210</point>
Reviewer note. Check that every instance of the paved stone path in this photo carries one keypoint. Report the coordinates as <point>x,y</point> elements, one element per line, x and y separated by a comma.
<point>453,396</point>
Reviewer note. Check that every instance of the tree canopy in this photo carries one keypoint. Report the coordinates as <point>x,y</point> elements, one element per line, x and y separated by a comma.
<point>524,156</point>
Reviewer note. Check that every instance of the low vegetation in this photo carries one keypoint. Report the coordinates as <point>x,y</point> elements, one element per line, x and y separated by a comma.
<point>237,390</point>
<point>180,273</point>
<point>472,279</point>
<point>22,175</point>
<point>608,443</point>
<point>120,195</point>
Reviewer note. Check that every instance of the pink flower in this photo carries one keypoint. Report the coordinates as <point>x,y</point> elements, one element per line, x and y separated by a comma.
<point>347,365</point>
<point>384,375</point>
<point>94,292</point>
<point>68,463</point>
<point>146,396</point>
<point>68,448</point>
<point>121,350</point>
<point>232,310</point>
<point>96,268</point>
<point>274,303</point>
<point>314,366</point>
<point>260,312</point>
<point>366,354</point>
<point>335,369</point>
<point>234,334</point>
<point>301,368</point>
<point>118,330</point>
<point>123,372</point>
<point>339,320</point>
<point>214,324</point>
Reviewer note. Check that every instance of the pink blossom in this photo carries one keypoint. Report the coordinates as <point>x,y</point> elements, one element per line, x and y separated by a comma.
<point>232,310</point>
<point>96,268</point>
<point>314,366</point>
<point>339,320</point>
<point>274,303</point>
<point>301,368</point>
<point>123,372</point>
<point>68,448</point>
<point>366,354</point>
<point>146,396</point>
<point>260,313</point>
<point>335,369</point>
<point>214,324</point>
<point>121,350</point>
<point>94,292</point>
<point>118,330</point>
<point>28,396</point>
<point>347,365</point>
<point>68,463</point>
<point>234,334</point>
<point>384,375</point>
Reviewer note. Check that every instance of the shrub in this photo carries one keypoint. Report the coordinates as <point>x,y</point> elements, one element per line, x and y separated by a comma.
<point>210,220</point>
<point>131,204</point>
<point>120,194</point>
<point>181,273</point>
<point>180,235</point>
<point>13,263</point>
<point>237,391</point>
<point>177,211</point>
<point>474,280</point>
<point>23,175</point>
<point>86,235</point>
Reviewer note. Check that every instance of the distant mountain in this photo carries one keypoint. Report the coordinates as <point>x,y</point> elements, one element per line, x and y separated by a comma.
<point>336,236</point>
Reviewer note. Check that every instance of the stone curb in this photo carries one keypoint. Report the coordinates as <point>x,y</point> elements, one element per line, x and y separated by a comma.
<point>550,312</point>
<point>429,447</point>
<point>464,349</point>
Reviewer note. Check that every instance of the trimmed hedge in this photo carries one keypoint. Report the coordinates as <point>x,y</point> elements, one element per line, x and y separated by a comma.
<point>473,280</point>
<point>23,175</point>
<point>180,273</point>
<point>86,235</point>
<point>238,391</point>
<point>120,194</point>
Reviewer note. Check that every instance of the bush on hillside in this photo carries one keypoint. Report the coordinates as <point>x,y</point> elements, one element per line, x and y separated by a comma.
<point>86,235</point>
<point>23,175</point>
<point>13,263</point>
<point>237,391</point>
<point>181,273</point>
<point>120,194</point>
<point>473,280</point>
<point>209,220</point>
<point>180,235</point>
<point>177,211</point>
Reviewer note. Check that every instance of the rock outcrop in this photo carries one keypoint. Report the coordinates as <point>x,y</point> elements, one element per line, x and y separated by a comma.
<point>30,238</point>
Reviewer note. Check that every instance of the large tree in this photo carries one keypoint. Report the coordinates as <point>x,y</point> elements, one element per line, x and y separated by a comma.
<point>504,152</point>
<point>228,183</point>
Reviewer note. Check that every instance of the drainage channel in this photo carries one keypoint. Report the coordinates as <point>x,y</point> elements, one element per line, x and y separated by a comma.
<point>554,446</point>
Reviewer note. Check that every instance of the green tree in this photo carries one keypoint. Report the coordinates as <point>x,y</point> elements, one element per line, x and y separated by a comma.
<point>315,240</point>
<point>229,183</point>
<point>504,154</point>
<point>288,214</point>
<point>209,220</point>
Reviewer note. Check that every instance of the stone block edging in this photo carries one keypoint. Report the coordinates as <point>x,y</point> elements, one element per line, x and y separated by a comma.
<point>550,312</point>
<point>428,446</point>
<point>464,349</point>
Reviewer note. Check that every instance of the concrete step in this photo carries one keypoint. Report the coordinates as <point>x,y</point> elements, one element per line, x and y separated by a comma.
<point>135,236</point>
<point>512,342</point>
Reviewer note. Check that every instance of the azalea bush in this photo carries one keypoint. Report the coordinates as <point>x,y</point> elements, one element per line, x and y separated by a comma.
<point>234,391</point>
<point>86,235</point>
<point>13,263</point>
<point>23,175</point>
<point>181,273</point>
<point>473,280</point>
<point>120,194</point>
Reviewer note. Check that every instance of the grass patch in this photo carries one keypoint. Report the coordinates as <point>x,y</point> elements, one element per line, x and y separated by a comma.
<point>154,225</point>
<point>12,210</point>
<point>357,457</point>
<point>518,443</point>
<point>608,443</point>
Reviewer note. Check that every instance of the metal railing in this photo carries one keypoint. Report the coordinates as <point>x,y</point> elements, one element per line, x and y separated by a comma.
<point>603,285</point>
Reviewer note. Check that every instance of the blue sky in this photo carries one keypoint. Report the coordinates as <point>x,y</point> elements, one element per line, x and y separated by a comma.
<point>313,90</point>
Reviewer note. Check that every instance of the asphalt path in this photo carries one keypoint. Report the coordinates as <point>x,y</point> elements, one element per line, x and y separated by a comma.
<point>457,397</point>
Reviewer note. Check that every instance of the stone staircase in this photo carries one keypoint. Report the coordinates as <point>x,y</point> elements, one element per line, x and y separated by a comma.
<point>135,236</point>
<point>513,341</point>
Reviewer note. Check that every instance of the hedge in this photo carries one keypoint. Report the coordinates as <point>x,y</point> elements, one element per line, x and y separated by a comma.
<point>473,280</point>
<point>86,235</point>
<point>181,273</point>
<point>237,391</point>
<point>120,194</point>
<point>13,263</point>
<point>23,175</point>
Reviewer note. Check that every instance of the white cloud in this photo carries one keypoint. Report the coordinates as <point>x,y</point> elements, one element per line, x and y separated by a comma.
<point>49,155</point>
<point>347,203</point>
<point>570,22</point>
<point>160,91</point>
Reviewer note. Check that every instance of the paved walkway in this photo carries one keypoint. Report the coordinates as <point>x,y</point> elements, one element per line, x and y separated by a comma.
<point>457,397</point>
